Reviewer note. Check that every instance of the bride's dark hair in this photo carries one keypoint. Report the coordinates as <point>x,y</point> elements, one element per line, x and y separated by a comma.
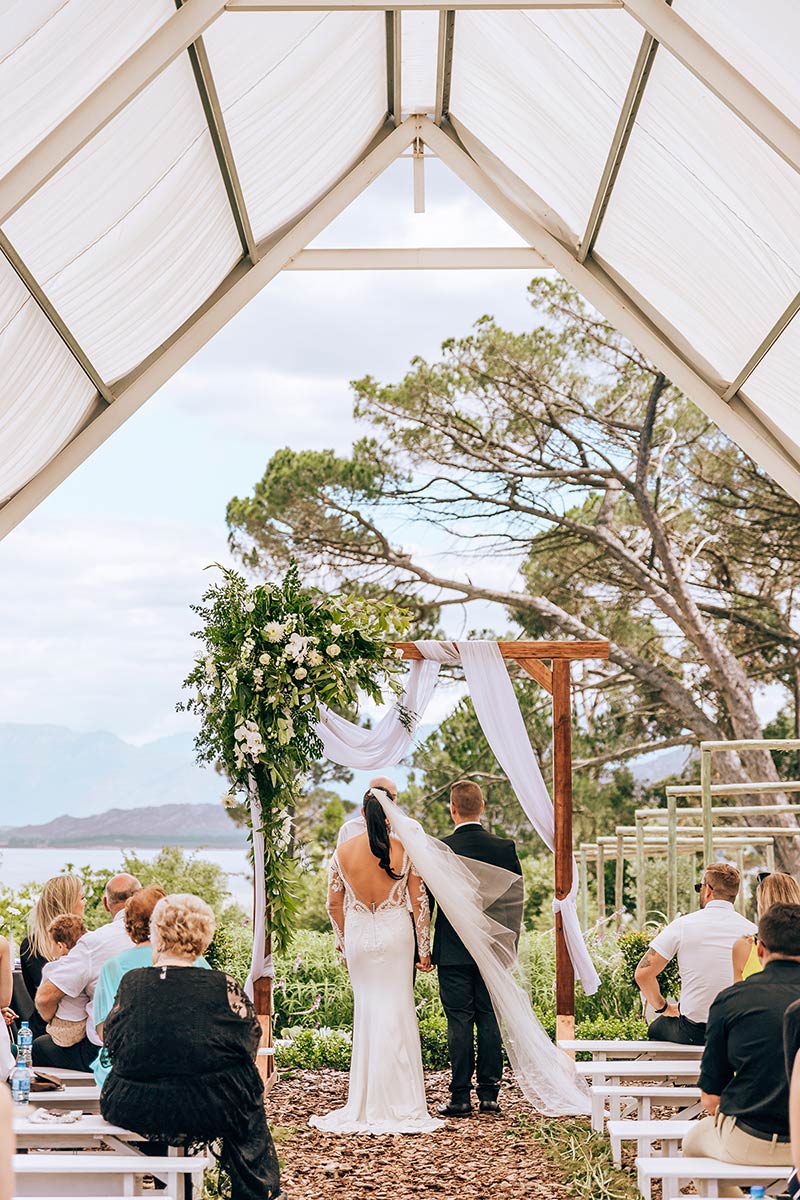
<point>378,834</point>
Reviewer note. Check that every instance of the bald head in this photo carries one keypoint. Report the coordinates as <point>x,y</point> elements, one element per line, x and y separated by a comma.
<point>383,781</point>
<point>118,891</point>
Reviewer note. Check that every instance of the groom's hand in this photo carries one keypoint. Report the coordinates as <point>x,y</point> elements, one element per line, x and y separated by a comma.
<point>424,963</point>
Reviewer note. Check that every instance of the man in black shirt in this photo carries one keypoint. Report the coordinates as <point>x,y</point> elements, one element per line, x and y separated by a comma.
<point>742,1074</point>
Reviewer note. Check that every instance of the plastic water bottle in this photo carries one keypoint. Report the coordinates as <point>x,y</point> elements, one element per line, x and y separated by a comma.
<point>756,1192</point>
<point>21,1083</point>
<point>25,1043</point>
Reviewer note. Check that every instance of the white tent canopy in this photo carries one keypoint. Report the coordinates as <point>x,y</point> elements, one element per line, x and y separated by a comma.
<point>161,162</point>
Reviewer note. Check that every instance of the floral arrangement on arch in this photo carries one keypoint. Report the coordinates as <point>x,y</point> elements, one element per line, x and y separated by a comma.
<point>272,654</point>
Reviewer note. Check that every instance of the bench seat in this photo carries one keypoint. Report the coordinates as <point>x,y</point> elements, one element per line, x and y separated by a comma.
<point>644,1133</point>
<point>686,1099</point>
<point>674,1172</point>
<point>100,1174</point>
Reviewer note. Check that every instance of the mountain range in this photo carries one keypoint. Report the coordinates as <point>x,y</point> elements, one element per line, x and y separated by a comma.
<point>190,825</point>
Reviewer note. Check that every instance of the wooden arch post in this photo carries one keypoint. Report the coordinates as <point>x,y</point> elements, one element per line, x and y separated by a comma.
<point>555,679</point>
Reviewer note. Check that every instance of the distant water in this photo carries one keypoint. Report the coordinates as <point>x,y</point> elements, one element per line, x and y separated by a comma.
<point>19,865</point>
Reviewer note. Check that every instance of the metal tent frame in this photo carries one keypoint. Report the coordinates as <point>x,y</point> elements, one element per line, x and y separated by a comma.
<point>492,180</point>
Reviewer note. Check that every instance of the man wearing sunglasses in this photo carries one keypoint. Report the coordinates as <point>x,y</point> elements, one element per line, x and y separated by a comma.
<point>703,942</point>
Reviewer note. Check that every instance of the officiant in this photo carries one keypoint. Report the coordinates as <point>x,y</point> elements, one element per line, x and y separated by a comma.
<point>465,998</point>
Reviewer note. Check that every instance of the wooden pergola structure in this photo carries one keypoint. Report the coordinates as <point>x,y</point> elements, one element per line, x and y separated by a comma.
<point>549,664</point>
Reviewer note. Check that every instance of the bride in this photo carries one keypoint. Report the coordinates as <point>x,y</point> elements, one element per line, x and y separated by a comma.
<point>372,880</point>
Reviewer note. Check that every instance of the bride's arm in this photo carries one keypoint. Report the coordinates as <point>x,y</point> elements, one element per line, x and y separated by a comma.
<point>422,918</point>
<point>335,904</point>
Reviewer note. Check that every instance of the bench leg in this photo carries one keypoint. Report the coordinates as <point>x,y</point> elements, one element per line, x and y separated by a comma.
<point>616,1151</point>
<point>644,1104</point>
<point>598,1112</point>
<point>644,1186</point>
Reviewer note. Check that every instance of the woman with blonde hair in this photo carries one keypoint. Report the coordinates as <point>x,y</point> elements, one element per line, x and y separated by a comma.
<point>774,887</point>
<point>182,1046</point>
<point>60,895</point>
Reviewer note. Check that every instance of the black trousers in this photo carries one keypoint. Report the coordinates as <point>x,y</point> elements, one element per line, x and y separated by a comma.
<point>80,1057</point>
<point>677,1029</point>
<point>467,1006</point>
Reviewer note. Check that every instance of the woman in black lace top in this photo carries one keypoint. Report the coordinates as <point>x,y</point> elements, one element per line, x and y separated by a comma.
<point>182,1045</point>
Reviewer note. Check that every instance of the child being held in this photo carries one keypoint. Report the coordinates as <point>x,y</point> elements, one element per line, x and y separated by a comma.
<point>68,1026</point>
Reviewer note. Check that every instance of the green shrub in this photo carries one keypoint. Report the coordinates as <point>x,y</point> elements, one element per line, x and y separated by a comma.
<point>633,946</point>
<point>230,950</point>
<point>315,1049</point>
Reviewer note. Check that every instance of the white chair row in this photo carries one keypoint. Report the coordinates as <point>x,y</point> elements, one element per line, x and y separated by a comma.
<point>602,1049</point>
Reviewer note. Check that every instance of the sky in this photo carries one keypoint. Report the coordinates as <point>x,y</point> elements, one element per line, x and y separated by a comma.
<point>96,583</point>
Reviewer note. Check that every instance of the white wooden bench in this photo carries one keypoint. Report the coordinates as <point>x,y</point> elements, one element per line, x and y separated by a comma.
<point>102,1173</point>
<point>669,1133</point>
<point>88,1131</point>
<point>622,1099</point>
<point>603,1049</point>
<point>658,1070</point>
<point>69,1077</point>
<point>85,1098</point>
<point>710,1172</point>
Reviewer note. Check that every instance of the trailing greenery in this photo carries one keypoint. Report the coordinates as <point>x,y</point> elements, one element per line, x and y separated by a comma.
<point>272,654</point>
<point>583,1159</point>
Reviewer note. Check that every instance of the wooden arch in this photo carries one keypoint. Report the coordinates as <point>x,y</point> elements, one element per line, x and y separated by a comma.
<point>555,679</point>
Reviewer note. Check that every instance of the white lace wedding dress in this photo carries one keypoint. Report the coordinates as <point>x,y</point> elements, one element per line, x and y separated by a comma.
<point>387,1085</point>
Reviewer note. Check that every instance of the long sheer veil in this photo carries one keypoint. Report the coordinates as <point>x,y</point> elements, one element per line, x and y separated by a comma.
<point>482,903</point>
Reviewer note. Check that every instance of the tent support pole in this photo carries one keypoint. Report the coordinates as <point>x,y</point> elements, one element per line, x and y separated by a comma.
<point>562,797</point>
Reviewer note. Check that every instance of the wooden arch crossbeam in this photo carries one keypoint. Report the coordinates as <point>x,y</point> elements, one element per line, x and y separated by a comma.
<point>555,679</point>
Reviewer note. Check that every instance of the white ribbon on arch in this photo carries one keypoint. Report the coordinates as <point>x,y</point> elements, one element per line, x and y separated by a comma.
<point>501,720</point>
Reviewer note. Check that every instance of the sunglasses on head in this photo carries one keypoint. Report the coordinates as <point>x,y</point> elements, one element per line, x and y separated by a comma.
<point>698,887</point>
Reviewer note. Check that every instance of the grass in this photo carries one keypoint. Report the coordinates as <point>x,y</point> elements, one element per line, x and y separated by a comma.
<point>582,1158</point>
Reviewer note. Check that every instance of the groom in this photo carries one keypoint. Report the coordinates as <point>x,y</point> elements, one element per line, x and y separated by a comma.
<point>465,999</point>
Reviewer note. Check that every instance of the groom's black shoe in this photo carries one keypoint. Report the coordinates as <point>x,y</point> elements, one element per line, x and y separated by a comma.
<point>455,1110</point>
<point>489,1106</point>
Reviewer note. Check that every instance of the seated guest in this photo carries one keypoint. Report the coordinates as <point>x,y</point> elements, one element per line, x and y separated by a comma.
<point>6,1146</point>
<point>68,1026</point>
<point>62,894</point>
<point>703,942</point>
<point>76,974</point>
<point>774,887</point>
<point>138,912</point>
<point>743,1081</point>
<point>182,1046</point>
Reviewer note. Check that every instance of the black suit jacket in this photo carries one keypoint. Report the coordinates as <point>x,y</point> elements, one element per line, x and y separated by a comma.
<point>473,841</point>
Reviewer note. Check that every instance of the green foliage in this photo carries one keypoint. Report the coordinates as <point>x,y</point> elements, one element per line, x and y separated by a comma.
<point>633,946</point>
<point>272,654</point>
<point>583,1159</point>
<point>230,950</point>
<point>313,894</point>
<point>315,1050</point>
<point>175,870</point>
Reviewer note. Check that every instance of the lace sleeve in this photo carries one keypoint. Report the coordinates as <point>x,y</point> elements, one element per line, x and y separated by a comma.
<point>335,903</point>
<point>422,912</point>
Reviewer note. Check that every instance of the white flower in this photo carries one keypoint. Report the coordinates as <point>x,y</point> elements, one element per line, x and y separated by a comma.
<point>351,671</point>
<point>249,604</point>
<point>15,912</point>
<point>398,652</point>
<point>229,801</point>
<point>296,647</point>
<point>264,659</point>
<point>335,630</point>
<point>300,673</point>
<point>274,631</point>
<point>314,658</point>
<point>334,651</point>
<point>210,668</point>
<point>388,652</point>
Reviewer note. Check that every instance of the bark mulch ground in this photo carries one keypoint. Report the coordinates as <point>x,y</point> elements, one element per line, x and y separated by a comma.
<point>479,1158</point>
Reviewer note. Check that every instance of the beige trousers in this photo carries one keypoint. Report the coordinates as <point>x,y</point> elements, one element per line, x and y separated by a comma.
<point>718,1137</point>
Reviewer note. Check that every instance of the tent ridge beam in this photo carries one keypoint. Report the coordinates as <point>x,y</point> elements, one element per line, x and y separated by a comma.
<point>720,77</point>
<point>521,652</point>
<point>101,106</point>
<point>782,323</point>
<point>243,282</point>
<point>444,63</point>
<point>212,108</point>
<point>49,310</point>
<point>619,143</point>
<point>427,258</point>
<point>235,6</point>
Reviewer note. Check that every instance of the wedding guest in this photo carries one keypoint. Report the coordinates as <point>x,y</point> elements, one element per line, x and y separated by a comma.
<point>743,1083</point>
<point>68,1026</point>
<point>465,999</point>
<point>6,1146</point>
<point>62,894</point>
<point>76,974</point>
<point>774,887</point>
<point>791,1043</point>
<point>182,1046</point>
<point>138,913</point>
<point>703,941</point>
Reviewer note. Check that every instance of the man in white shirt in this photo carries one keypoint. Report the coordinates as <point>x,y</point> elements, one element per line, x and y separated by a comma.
<point>76,974</point>
<point>703,942</point>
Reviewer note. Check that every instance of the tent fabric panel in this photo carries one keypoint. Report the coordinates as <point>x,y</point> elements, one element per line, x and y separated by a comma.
<point>54,54</point>
<point>136,231</point>
<point>419,39</point>
<point>774,386</point>
<point>45,394</point>
<point>702,220</point>
<point>302,95</point>
<point>759,40</point>
<point>543,91</point>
